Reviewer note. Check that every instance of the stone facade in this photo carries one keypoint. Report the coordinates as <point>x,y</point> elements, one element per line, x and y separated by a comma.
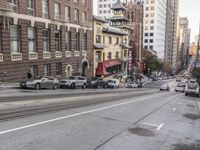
<point>72,61</point>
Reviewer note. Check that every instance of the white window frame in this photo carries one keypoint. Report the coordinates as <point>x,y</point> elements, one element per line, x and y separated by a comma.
<point>15,39</point>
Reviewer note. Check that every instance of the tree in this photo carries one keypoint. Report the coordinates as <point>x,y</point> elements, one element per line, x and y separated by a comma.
<point>196,73</point>
<point>153,63</point>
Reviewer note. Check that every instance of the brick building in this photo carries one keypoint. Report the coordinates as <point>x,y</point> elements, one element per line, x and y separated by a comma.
<point>134,12</point>
<point>47,37</point>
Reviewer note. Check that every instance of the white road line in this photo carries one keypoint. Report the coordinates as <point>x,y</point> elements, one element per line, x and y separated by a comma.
<point>160,126</point>
<point>73,115</point>
<point>151,124</point>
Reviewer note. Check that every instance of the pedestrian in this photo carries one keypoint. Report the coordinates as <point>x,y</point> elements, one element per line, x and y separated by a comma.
<point>29,75</point>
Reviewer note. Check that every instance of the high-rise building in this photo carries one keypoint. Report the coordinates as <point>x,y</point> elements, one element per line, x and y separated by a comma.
<point>154,26</point>
<point>46,37</point>
<point>171,50</point>
<point>184,41</point>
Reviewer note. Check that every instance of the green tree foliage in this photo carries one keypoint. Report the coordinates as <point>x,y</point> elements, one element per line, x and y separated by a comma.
<point>196,74</point>
<point>153,63</point>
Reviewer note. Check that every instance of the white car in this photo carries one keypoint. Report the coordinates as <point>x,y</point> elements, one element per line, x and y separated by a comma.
<point>192,89</point>
<point>113,83</point>
<point>180,87</point>
<point>164,87</point>
<point>73,82</point>
<point>132,85</point>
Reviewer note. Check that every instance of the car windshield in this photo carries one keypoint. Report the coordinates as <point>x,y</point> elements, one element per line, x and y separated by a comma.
<point>180,85</point>
<point>110,81</point>
<point>37,78</point>
<point>71,78</point>
<point>192,86</point>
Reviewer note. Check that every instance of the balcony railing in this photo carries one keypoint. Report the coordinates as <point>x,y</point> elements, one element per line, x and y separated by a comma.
<point>1,57</point>
<point>58,54</point>
<point>68,54</point>
<point>76,53</point>
<point>84,53</point>
<point>33,55</point>
<point>15,56</point>
<point>46,55</point>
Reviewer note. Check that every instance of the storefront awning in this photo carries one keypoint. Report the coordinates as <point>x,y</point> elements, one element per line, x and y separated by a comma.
<point>101,69</point>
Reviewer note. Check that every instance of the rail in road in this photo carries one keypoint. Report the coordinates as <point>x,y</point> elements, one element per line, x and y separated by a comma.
<point>29,107</point>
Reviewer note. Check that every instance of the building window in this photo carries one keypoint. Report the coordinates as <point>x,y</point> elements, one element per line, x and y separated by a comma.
<point>104,39</point>
<point>151,34</point>
<point>117,55</point>
<point>84,16</point>
<point>146,34</point>
<point>34,70</point>
<point>45,9</point>
<point>151,40</point>
<point>47,70</point>
<point>145,41</point>
<point>85,41</point>
<point>98,56</point>
<point>14,39</point>
<point>57,10</point>
<point>13,5</point>
<point>31,40</point>
<point>67,13</point>
<point>76,1</point>
<point>58,68</point>
<point>46,40</point>
<point>110,40</point>
<point>76,15</point>
<point>68,41</point>
<point>30,7</point>
<point>117,40</point>
<point>77,38</point>
<point>125,53</point>
<point>57,41</point>
<point>109,55</point>
<point>98,39</point>
<point>84,2</point>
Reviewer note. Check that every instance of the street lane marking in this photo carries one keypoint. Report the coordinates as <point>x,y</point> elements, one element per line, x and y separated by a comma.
<point>160,126</point>
<point>151,124</point>
<point>73,115</point>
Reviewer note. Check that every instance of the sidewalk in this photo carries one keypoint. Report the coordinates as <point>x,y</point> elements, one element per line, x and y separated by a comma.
<point>9,85</point>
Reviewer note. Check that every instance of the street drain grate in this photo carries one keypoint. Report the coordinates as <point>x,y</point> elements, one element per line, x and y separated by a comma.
<point>192,146</point>
<point>142,131</point>
<point>190,105</point>
<point>192,116</point>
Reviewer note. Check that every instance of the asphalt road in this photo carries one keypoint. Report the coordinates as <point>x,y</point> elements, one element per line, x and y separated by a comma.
<point>159,121</point>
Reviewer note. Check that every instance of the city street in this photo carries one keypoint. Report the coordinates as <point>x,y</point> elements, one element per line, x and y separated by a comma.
<point>144,119</point>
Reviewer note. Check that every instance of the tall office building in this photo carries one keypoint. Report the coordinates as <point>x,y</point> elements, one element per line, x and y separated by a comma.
<point>171,49</point>
<point>154,26</point>
<point>184,36</point>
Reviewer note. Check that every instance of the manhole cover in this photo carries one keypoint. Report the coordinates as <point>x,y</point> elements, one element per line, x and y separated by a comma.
<point>142,131</point>
<point>192,116</point>
<point>192,146</point>
<point>190,105</point>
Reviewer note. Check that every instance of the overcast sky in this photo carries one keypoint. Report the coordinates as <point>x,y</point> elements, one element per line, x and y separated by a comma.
<point>188,8</point>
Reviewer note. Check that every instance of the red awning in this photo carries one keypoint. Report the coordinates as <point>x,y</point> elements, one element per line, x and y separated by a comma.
<point>101,69</point>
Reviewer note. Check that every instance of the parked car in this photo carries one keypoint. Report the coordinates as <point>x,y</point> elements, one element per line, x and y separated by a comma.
<point>180,87</point>
<point>164,87</point>
<point>40,82</point>
<point>96,82</point>
<point>192,89</point>
<point>132,85</point>
<point>154,79</point>
<point>113,83</point>
<point>73,82</point>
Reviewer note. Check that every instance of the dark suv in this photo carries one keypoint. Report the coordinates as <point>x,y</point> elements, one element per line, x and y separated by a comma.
<point>96,82</point>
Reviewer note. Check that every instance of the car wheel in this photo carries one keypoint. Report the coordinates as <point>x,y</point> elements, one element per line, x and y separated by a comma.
<point>37,86</point>
<point>176,91</point>
<point>198,95</point>
<point>73,86</point>
<point>105,86</point>
<point>55,86</point>
<point>186,94</point>
<point>84,86</point>
<point>61,86</point>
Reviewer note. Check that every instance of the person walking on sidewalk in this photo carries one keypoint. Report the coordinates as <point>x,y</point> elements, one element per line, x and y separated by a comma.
<point>29,75</point>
